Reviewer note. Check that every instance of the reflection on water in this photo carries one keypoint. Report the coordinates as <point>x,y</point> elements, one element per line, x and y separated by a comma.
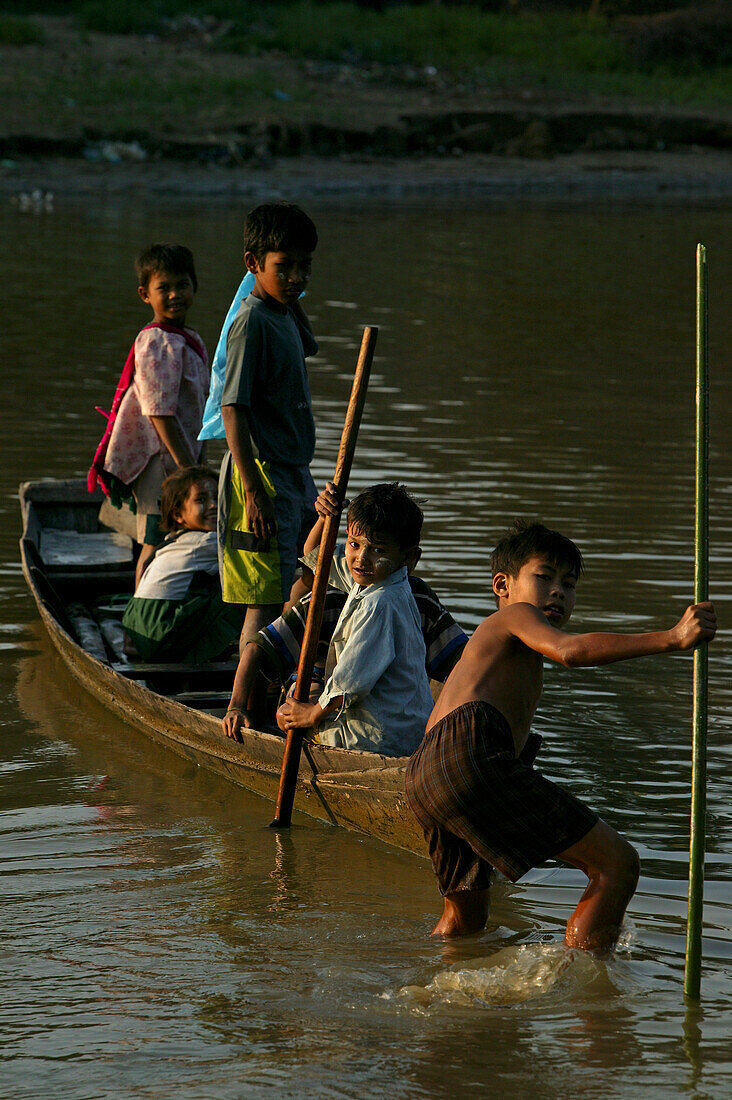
<point>160,939</point>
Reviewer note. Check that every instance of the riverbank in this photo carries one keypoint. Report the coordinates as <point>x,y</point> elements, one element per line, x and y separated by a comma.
<point>77,119</point>
<point>39,184</point>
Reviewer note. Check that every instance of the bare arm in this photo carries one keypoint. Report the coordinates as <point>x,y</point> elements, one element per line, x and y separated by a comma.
<point>325,505</point>
<point>237,715</point>
<point>260,509</point>
<point>169,431</point>
<point>301,586</point>
<point>312,542</point>
<point>528,624</point>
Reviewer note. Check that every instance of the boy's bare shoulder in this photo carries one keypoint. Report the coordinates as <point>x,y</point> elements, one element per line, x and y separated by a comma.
<point>505,620</point>
<point>513,630</point>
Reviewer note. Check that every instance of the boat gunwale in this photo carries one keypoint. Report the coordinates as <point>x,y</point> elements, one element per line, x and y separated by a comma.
<point>197,734</point>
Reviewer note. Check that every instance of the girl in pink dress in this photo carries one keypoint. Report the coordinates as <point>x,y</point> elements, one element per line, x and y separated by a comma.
<point>159,404</point>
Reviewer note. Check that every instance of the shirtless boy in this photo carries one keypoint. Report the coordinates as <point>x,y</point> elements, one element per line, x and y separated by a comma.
<point>471,782</point>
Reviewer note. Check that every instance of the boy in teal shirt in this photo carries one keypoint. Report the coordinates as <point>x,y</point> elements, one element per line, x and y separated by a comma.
<point>266,492</point>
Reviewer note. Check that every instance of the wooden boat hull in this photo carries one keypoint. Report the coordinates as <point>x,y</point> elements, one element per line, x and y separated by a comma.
<point>356,790</point>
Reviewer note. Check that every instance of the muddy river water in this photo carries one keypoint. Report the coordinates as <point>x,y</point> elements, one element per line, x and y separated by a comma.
<point>159,941</point>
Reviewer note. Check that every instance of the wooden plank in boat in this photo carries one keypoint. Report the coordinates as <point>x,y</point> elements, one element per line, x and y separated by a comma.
<point>69,550</point>
<point>109,579</point>
<point>143,670</point>
<point>53,491</point>
<point>203,700</point>
<point>383,780</point>
<point>118,519</point>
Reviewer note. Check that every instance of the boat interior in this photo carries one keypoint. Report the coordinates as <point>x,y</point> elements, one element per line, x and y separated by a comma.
<point>80,556</point>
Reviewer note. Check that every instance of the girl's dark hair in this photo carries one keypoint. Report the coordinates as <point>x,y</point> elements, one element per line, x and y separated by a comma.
<point>176,488</point>
<point>175,258</point>
<point>387,509</point>
<point>278,227</point>
<point>525,540</point>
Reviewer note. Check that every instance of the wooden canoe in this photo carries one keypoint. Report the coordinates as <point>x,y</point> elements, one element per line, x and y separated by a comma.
<point>74,564</point>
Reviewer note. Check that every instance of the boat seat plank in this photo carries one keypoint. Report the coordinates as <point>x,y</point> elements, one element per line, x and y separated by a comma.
<point>69,550</point>
<point>118,519</point>
<point>66,492</point>
<point>109,580</point>
<point>202,699</point>
<point>143,670</point>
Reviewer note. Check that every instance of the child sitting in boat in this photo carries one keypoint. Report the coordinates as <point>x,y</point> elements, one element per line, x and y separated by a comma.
<point>471,783</point>
<point>271,658</point>
<point>158,408</point>
<point>177,613</point>
<point>376,694</point>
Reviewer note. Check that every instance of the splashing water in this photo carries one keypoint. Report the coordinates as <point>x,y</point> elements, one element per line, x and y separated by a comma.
<point>511,976</point>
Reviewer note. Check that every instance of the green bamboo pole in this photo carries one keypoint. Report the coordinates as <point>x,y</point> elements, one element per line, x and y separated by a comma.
<point>692,976</point>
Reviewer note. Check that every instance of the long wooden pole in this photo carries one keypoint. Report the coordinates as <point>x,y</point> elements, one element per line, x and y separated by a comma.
<point>692,976</point>
<point>293,744</point>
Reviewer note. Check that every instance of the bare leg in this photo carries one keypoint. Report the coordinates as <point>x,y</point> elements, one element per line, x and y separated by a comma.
<point>298,590</point>
<point>465,911</point>
<point>612,867</point>
<point>146,552</point>
<point>258,616</point>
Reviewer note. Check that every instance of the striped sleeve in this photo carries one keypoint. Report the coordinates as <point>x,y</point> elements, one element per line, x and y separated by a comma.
<point>280,642</point>
<point>444,638</point>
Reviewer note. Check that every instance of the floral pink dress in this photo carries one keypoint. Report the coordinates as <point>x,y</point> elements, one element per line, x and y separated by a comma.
<point>171,379</point>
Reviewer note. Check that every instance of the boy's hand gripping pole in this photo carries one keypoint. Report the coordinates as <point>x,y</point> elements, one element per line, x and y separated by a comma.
<point>293,744</point>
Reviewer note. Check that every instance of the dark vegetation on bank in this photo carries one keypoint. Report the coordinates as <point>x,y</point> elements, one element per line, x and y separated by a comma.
<point>231,80</point>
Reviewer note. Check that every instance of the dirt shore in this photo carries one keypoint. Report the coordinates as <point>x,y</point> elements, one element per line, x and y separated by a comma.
<point>33,183</point>
<point>347,130</point>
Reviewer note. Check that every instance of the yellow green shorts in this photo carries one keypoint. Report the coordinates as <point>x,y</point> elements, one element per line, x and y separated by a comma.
<point>251,575</point>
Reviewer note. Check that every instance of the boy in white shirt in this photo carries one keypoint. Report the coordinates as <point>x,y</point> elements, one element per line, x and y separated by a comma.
<point>377,695</point>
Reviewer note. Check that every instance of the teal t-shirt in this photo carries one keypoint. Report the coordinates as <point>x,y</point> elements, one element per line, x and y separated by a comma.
<point>265,372</point>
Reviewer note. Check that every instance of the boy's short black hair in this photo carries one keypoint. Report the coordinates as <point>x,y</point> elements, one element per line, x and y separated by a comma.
<point>387,509</point>
<point>175,489</point>
<point>175,258</point>
<point>278,227</point>
<point>525,540</point>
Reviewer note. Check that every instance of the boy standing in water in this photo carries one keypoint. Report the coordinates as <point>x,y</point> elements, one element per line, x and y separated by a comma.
<point>471,783</point>
<point>266,493</point>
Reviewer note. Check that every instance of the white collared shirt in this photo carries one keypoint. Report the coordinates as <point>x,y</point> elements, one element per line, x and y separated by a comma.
<point>169,574</point>
<point>378,653</point>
